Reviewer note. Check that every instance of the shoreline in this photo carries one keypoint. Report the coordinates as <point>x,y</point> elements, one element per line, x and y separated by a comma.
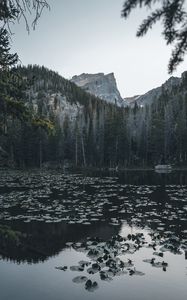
<point>90,169</point>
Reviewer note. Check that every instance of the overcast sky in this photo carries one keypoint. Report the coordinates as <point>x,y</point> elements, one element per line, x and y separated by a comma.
<point>86,36</point>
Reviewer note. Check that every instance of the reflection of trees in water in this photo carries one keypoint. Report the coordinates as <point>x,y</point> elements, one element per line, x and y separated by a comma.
<point>38,241</point>
<point>162,212</point>
<point>160,197</point>
<point>139,177</point>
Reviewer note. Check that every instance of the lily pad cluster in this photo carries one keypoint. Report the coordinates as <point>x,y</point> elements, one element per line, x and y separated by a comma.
<point>113,258</point>
<point>75,199</point>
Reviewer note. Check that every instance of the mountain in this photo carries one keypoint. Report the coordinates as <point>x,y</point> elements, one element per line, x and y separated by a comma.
<point>90,132</point>
<point>100,85</point>
<point>50,94</point>
<point>154,94</point>
<point>78,117</point>
<point>105,87</point>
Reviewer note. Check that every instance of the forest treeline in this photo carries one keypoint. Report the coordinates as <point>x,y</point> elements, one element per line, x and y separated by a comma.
<point>75,128</point>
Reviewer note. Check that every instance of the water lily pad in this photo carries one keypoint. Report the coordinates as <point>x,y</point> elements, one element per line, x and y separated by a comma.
<point>136,273</point>
<point>77,268</point>
<point>84,263</point>
<point>80,279</point>
<point>91,286</point>
<point>62,268</point>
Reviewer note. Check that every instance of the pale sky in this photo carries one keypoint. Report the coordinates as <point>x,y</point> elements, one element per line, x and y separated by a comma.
<point>86,36</point>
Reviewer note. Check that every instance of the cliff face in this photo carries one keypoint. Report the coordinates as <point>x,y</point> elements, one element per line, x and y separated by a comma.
<point>100,85</point>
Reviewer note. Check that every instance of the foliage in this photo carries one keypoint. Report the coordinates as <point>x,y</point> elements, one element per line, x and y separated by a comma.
<point>12,86</point>
<point>17,118</point>
<point>6,59</point>
<point>11,10</point>
<point>100,134</point>
<point>173,15</point>
<point>45,124</point>
<point>11,103</point>
<point>7,235</point>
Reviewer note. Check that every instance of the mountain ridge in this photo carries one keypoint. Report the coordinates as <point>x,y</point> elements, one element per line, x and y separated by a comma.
<point>104,86</point>
<point>90,132</point>
<point>101,85</point>
<point>153,94</point>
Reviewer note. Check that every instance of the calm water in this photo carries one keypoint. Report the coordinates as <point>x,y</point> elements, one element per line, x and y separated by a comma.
<point>126,232</point>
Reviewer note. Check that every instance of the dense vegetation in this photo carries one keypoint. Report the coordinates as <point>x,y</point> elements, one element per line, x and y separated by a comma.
<point>89,132</point>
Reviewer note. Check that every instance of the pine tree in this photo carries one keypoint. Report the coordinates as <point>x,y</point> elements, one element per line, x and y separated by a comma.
<point>6,59</point>
<point>174,19</point>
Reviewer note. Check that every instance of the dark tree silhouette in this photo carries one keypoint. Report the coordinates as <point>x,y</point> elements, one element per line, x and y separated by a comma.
<point>13,86</point>
<point>173,15</point>
<point>6,59</point>
<point>11,10</point>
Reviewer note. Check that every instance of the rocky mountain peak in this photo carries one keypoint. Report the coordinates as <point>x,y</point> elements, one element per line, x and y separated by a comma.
<point>100,85</point>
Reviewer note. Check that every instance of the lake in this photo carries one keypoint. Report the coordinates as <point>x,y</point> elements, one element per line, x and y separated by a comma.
<point>93,236</point>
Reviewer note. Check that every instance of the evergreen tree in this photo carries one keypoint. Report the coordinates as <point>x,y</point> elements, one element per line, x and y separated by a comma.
<point>174,19</point>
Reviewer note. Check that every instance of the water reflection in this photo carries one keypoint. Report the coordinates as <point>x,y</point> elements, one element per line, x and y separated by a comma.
<point>85,230</point>
<point>45,211</point>
<point>37,241</point>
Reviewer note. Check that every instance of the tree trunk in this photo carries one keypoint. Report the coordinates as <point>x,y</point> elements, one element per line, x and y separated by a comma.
<point>76,151</point>
<point>83,152</point>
